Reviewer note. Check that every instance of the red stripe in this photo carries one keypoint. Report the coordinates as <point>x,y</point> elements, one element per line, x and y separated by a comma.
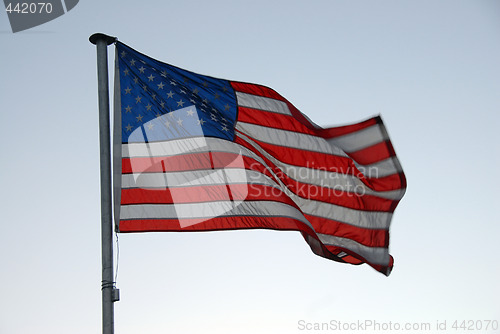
<point>205,193</point>
<point>348,258</point>
<point>186,163</point>
<point>272,120</point>
<point>373,154</point>
<point>216,223</point>
<point>347,129</point>
<point>258,90</point>
<point>191,161</point>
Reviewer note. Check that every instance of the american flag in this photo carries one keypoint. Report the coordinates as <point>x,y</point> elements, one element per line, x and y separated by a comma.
<point>197,153</point>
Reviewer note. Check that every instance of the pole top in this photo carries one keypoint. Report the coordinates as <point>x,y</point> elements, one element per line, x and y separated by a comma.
<point>100,36</point>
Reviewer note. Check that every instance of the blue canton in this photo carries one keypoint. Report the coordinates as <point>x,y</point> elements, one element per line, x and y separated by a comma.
<point>162,102</point>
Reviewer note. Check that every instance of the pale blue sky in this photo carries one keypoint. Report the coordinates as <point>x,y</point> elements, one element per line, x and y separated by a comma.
<point>430,68</point>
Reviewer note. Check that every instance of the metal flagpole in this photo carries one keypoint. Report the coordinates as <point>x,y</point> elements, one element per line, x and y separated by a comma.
<point>109,293</point>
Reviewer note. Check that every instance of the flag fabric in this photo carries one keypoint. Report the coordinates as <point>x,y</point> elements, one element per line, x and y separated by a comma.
<point>197,153</point>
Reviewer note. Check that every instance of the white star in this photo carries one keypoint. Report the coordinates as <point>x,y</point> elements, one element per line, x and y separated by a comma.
<point>128,109</point>
<point>162,104</point>
<point>132,62</point>
<point>190,112</point>
<point>173,83</point>
<point>142,69</point>
<point>129,127</point>
<point>227,107</point>
<point>127,90</point>
<point>195,91</point>
<point>167,124</point>
<point>224,128</point>
<point>164,74</point>
<point>160,85</point>
<point>124,53</point>
<point>183,91</point>
<point>138,99</point>
<point>153,96</point>
<point>170,95</point>
<point>201,121</point>
<point>136,80</point>
<point>148,107</point>
<point>150,126</point>
<point>180,103</point>
<point>214,118</point>
<point>151,77</point>
<point>126,71</point>
<point>139,118</point>
<point>179,121</point>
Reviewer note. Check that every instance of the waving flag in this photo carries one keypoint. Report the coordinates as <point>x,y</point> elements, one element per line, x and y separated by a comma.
<point>197,153</point>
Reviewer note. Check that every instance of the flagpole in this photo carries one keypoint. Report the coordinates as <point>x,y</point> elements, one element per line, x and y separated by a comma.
<point>109,292</point>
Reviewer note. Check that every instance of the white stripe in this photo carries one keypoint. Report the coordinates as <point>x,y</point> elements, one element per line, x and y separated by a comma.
<point>183,146</point>
<point>262,103</point>
<point>224,176</point>
<point>289,139</point>
<point>358,140</point>
<point>166,148</point>
<point>374,255</point>
<point>380,169</point>
<point>211,210</point>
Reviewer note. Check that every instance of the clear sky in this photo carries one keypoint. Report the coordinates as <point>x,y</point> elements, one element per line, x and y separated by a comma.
<point>430,68</point>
